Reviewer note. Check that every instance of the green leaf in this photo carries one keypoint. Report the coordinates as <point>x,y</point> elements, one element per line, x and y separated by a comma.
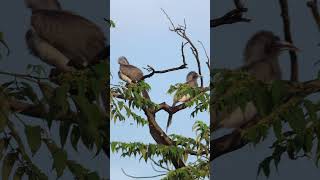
<point>59,161</point>
<point>265,166</point>
<point>277,128</point>
<point>8,164</point>
<point>92,176</point>
<point>20,171</point>
<point>75,136</point>
<point>297,119</point>
<point>64,132</point>
<point>110,23</point>
<point>2,147</point>
<point>33,134</point>
<point>3,119</point>
<point>76,168</point>
<point>59,101</point>
<point>278,90</point>
<point>312,109</point>
<point>36,173</point>
<point>308,142</point>
<point>262,101</point>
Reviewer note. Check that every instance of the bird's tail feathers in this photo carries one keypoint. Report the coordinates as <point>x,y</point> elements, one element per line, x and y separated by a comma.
<point>170,116</point>
<point>169,122</point>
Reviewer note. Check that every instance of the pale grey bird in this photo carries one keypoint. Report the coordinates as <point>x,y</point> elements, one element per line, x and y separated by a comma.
<point>129,73</point>
<point>261,60</point>
<point>63,39</point>
<point>191,80</point>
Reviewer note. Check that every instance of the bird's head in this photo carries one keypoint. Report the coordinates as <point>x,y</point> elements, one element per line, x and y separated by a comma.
<point>265,45</point>
<point>123,60</point>
<point>192,76</point>
<point>43,4</point>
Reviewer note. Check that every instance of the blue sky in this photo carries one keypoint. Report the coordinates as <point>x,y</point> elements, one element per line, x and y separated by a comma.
<point>142,35</point>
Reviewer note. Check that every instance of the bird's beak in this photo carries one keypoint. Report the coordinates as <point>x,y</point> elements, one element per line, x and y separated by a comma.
<point>284,45</point>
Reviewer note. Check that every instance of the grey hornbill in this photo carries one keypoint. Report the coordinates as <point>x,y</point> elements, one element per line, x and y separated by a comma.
<point>261,61</point>
<point>67,42</point>
<point>130,73</point>
<point>191,80</point>
<point>62,39</point>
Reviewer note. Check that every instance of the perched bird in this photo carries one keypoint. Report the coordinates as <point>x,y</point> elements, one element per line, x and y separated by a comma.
<point>130,73</point>
<point>65,41</point>
<point>261,60</point>
<point>191,80</point>
<point>62,39</point>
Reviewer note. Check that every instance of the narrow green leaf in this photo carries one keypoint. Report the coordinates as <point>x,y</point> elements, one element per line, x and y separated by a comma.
<point>64,132</point>
<point>59,161</point>
<point>8,164</point>
<point>20,171</point>
<point>92,176</point>
<point>75,136</point>
<point>33,134</point>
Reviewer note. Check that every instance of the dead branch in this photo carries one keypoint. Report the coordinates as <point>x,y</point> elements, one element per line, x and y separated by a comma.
<point>182,66</point>
<point>313,5</point>
<point>234,16</point>
<point>205,51</point>
<point>181,31</point>
<point>287,33</point>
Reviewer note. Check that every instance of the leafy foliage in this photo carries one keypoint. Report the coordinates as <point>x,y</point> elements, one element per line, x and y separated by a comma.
<point>74,102</point>
<point>292,117</point>
<point>127,100</point>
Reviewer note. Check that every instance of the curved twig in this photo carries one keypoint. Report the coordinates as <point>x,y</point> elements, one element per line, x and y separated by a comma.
<point>141,177</point>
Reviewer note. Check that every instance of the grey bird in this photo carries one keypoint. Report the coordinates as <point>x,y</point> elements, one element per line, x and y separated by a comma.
<point>62,39</point>
<point>261,60</point>
<point>191,80</point>
<point>129,73</point>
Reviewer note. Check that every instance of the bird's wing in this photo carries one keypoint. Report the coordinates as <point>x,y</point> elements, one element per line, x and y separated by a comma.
<point>76,37</point>
<point>262,71</point>
<point>234,119</point>
<point>134,73</point>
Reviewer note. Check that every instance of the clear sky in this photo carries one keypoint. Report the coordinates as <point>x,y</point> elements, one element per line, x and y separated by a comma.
<point>142,35</point>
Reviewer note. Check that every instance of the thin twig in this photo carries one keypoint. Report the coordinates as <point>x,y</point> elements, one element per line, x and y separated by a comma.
<point>181,31</point>
<point>205,51</point>
<point>141,177</point>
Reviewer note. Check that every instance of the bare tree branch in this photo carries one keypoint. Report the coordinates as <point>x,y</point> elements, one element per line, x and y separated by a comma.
<point>181,31</point>
<point>313,5</point>
<point>234,16</point>
<point>182,66</point>
<point>205,51</point>
<point>287,33</point>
